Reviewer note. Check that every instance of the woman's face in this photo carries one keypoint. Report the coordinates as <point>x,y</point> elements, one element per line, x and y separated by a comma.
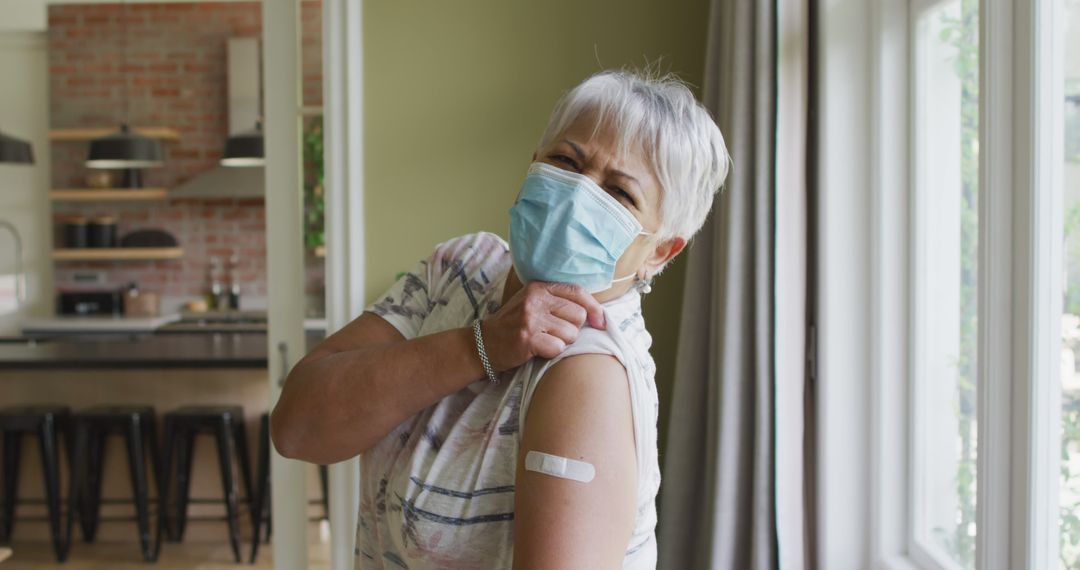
<point>630,180</point>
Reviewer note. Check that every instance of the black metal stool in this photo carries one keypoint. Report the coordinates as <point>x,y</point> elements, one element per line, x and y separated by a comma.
<point>47,422</point>
<point>181,427</point>
<point>92,426</point>
<point>260,507</point>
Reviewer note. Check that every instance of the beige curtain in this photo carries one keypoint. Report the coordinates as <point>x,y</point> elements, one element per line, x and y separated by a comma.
<point>719,496</point>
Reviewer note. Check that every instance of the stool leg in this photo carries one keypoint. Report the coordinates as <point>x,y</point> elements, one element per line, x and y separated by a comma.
<point>51,468</point>
<point>155,455</point>
<point>92,511</point>
<point>262,478</point>
<point>68,426</point>
<point>265,511</point>
<point>137,465</point>
<point>243,457</point>
<point>150,429</point>
<point>186,441</point>
<point>226,453</point>
<point>324,479</point>
<point>164,475</point>
<point>12,453</point>
<point>77,480</point>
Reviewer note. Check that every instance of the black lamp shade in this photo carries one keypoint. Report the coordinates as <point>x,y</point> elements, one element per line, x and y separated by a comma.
<point>15,151</point>
<point>245,149</point>
<point>124,149</point>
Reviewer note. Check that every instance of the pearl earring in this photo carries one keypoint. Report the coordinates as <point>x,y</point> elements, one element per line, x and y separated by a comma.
<point>643,285</point>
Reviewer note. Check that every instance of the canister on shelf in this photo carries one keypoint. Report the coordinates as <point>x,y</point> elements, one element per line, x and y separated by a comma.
<point>75,231</point>
<point>102,232</point>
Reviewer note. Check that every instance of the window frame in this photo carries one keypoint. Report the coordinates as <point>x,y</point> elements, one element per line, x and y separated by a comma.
<point>864,460</point>
<point>344,228</point>
<point>1019,496</point>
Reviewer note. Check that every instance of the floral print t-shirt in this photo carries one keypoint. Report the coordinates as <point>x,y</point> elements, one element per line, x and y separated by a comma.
<point>438,490</point>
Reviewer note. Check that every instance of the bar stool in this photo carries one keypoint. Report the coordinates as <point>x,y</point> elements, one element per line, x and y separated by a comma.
<point>226,423</point>
<point>92,426</point>
<point>47,422</point>
<point>260,508</point>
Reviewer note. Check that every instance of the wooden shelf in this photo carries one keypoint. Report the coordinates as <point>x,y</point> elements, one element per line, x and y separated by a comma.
<point>107,194</point>
<point>117,253</point>
<point>86,134</point>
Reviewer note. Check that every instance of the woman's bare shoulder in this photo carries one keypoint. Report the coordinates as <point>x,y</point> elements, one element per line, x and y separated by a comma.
<point>580,411</point>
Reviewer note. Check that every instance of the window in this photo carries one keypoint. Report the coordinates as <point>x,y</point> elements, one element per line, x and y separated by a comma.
<point>1069,483</point>
<point>967,452</point>
<point>945,281</point>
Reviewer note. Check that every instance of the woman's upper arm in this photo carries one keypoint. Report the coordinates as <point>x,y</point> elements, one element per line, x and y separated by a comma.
<point>581,410</point>
<point>367,330</point>
<point>395,316</point>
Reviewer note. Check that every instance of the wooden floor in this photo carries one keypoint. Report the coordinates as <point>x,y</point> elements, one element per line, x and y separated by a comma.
<point>38,555</point>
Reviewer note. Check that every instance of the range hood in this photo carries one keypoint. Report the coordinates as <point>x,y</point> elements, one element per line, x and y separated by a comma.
<point>243,92</point>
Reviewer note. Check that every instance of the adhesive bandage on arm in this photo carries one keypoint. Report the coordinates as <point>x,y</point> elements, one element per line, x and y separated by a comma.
<point>556,466</point>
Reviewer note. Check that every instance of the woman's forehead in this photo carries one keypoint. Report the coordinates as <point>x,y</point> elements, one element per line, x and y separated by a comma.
<point>606,141</point>
<point>603,142</point>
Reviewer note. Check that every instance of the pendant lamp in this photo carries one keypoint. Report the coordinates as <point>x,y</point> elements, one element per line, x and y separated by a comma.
<point>15,151</point>
<point>245,149</point>
<point>124,149</point>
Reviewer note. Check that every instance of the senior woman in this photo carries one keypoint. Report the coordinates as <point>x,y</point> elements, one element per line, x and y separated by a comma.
<point>502,395</point>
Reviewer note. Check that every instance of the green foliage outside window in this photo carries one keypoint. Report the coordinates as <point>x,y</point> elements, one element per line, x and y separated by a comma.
<point>313,184</point>
<point>963,34</point>
<point>1070,411</point>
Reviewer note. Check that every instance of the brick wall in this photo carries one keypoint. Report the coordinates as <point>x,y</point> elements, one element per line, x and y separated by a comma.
<point>164,65</point>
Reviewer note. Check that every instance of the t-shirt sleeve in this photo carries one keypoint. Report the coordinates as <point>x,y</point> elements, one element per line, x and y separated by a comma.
<point>451,276</point>
<point>590,341</point>
<point>407,302</point>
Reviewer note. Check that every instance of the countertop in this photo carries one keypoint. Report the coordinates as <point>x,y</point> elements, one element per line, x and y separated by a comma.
<point>173,350</point>
<point>32,325</point>
<point>37,326</point>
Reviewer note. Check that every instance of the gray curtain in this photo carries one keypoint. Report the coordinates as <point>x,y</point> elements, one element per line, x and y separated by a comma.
<point>717,499</point>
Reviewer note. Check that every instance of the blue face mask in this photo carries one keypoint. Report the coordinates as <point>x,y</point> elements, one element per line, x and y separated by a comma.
<point>566,229</point>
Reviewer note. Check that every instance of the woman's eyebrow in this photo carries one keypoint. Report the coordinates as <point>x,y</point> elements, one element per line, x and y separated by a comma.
<point>626,176</point>
<point>577,149</point>
<point>581,156</point>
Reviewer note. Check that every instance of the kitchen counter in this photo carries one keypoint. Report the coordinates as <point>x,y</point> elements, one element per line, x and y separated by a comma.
<point>173,350</point>
<point>75,324</point>
<point>233,321</point>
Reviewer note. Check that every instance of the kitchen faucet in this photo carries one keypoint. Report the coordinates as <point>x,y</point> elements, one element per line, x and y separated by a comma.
<point>18,260</point>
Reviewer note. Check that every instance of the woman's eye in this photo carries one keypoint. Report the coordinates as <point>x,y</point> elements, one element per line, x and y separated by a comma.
<point>565,160</point>
<point>620,192</point>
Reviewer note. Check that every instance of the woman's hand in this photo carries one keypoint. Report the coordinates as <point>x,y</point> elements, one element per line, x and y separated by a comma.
<point>541,319</point>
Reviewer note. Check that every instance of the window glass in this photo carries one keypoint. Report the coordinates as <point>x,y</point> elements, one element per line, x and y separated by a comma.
<point>945,269</point>
<point>1069,486</point>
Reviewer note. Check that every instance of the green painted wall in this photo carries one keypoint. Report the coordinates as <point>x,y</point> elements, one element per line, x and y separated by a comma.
<point>456,97</point>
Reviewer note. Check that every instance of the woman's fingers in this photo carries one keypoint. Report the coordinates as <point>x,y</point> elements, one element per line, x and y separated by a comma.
<point>569,311</point>
<point>547,346</point>
<point>577,294</point>
<point>541,320</point>
<point>560,329</point>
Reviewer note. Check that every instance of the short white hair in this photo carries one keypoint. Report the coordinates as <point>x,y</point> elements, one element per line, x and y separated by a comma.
<point>681,141</point>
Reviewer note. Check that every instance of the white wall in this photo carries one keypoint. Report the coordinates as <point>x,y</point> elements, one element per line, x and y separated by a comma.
<point>24,189</point>
<point>24,15</point>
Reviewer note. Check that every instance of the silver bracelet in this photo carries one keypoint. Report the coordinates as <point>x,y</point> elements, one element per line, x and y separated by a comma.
<point>483,353</point>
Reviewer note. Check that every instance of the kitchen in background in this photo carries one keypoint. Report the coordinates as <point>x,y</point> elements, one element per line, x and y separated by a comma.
<point>166,69</point>
<point>115,310</point>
